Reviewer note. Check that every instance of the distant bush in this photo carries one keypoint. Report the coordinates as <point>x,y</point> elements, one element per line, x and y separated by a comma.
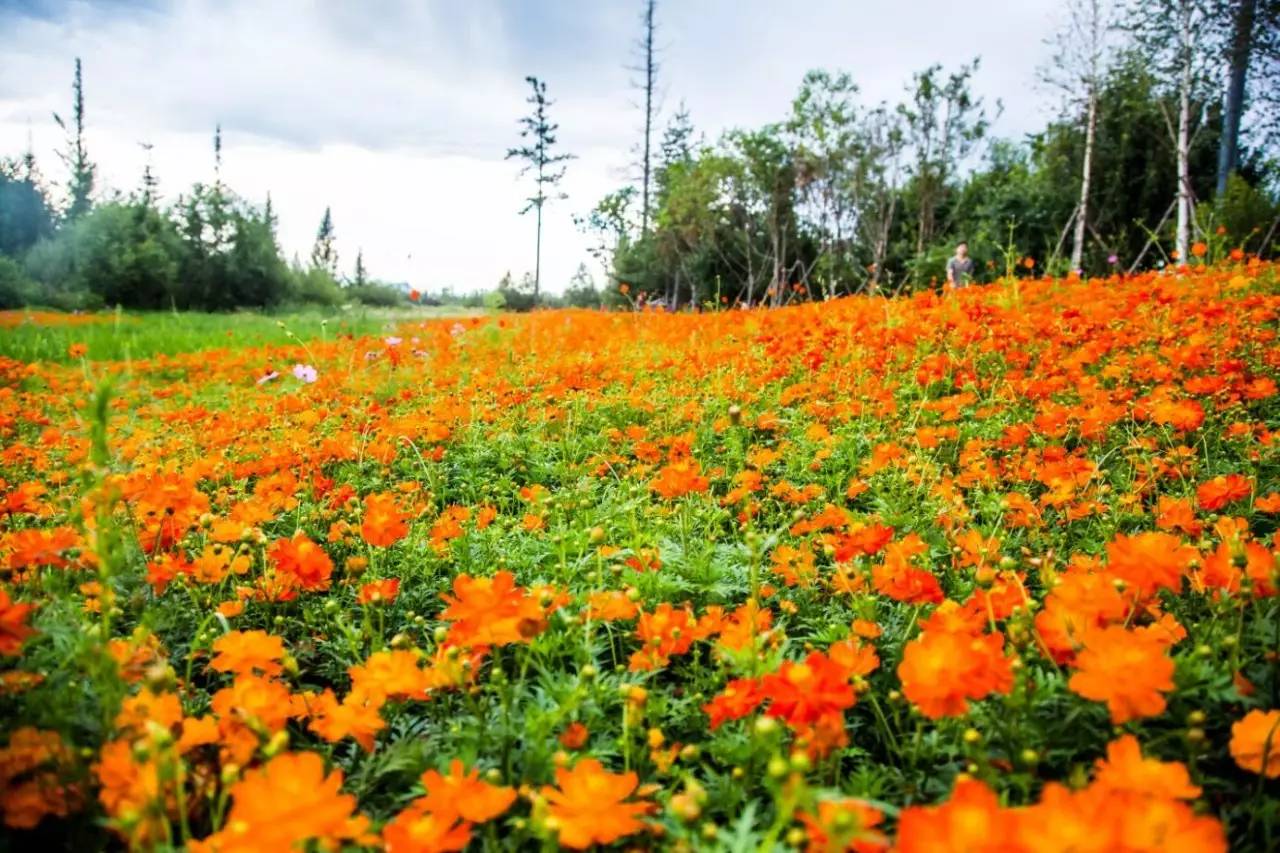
<point>376,295</point>
<point>316,286</point>
<point>16,289</point>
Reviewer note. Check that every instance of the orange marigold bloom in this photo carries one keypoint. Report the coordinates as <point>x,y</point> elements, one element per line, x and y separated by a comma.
<point>610,606</point>
<point>357,717</point>
<point>942,670</point>
<point>1255,742</point>
<point>415,830</point>
<point>1222,490</point>
<point>394,674</point>
<point>383,523</point>
<point>302,561</point>
<point>30,787</point>
<point>574,736</point>
<point>285,803</point>
<point>739,697</point>
<point>1129,670</point>
<point>247,652</point>
<point>590,805</point>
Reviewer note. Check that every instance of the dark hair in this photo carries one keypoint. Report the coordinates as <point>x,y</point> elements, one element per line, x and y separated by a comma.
<point>964,243</point>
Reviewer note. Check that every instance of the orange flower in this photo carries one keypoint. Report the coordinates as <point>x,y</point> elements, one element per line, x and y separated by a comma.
<point>971,820</point>
<point>302,562</point>
<point>802,693</point>
<point>357,717</point>
<point>1150,561</point>
<point>574,736</point>
<point>246,652</point>
<point>1255,742</point>
<point>462,793</point>
<point>680,478</point>
<point>942,670</point>
<point>1220,491</point>
<point>1125,769</point>
<point>491,611</point>
<point>844,825</point>
<point>14,629</point>
<point>1129,670</point>
<point>664,631</point>
<point>589,805</point>
<point>383,523</point>
<point>740,697</point>
<point>379,592</point>
<point>284,804</point>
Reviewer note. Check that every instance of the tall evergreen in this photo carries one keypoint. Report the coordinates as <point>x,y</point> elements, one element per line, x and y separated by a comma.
<point>540,134</point>
<point>76,155</point>
<point>324,255</point>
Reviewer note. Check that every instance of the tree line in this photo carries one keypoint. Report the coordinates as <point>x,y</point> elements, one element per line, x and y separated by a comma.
<point>210,249</point>
<point>1147,162</point>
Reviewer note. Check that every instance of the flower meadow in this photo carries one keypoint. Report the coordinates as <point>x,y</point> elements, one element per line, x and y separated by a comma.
<point>995,569</point>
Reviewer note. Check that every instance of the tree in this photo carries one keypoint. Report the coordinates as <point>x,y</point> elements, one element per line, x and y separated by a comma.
<point>361,277</point>
<point>76,155</point>
<point>1177,38</point>
<point>649,70</point>
<point>944,121</point>
<point>1253,52</point>
<point>1081,50</point>
<point>150,189</point>
<point>540,135</point>
<point>324,255</point>
<point>26,216</point>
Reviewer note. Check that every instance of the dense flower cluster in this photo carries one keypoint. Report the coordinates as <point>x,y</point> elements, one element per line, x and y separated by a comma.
<point>989,570</point>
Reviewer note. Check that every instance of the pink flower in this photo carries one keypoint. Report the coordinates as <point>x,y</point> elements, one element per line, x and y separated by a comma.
<point>305,373</point>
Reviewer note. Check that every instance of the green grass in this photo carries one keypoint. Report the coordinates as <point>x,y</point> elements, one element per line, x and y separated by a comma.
<point>39,336</point>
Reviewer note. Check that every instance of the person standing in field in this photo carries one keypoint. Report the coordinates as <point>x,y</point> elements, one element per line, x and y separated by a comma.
<point>960,267</point>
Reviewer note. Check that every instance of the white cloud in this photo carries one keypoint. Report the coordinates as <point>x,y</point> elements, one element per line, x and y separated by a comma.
<point>397,115</point>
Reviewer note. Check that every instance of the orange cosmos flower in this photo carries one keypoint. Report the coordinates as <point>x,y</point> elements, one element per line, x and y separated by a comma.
<point>1255,742</point>
<point>301,561</point>
<point>574,736</point>
<point>379,592</point>
<point>357,717</point>
<point>802,693</point>
<point>843,825</point>
<point>1222,490</point>
<point>1150,561</point>
<point>14,629</point>
<point>1129,670</point>
<point>284,804</point>
<point>383,523</point>
<point>942,670</point>
<point>680,478</point>
<point>971,820</point>
<point>491,611</point>
<point>1125,769</point>
<point>246,652</point>
<point>462,793</point>
<point>589,805</point>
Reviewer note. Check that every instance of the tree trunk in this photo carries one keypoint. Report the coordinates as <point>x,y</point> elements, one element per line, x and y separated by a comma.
<point>648,111</point>
<point>1183,237</point>
<point>1082,213</point>
<point>1233,107</point>
<point>537,261</point>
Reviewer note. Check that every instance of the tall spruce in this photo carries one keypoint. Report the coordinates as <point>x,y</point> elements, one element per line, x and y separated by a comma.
<point>76,155</point>
<point>324,255</point>
<point>539,133</point>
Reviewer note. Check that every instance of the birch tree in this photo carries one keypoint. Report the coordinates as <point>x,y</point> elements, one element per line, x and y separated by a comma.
<point>1082,48</point>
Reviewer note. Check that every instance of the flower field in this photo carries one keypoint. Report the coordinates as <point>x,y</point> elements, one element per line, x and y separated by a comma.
<point>992,570</point>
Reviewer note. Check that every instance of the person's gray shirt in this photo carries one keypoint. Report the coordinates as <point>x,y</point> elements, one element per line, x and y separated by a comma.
<point>961,270</point>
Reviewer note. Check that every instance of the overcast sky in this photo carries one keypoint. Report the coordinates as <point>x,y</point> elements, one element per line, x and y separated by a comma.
<point>398,114</point>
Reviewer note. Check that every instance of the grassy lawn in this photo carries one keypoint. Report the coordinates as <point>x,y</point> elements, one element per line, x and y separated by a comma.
<point>43,336</point>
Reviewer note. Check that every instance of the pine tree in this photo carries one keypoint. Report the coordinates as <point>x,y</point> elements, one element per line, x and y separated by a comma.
<point>538,158</point>
<point>80,186</point>
<point>361,274</point>
<point>150,184</point>
<point>324,255</point>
